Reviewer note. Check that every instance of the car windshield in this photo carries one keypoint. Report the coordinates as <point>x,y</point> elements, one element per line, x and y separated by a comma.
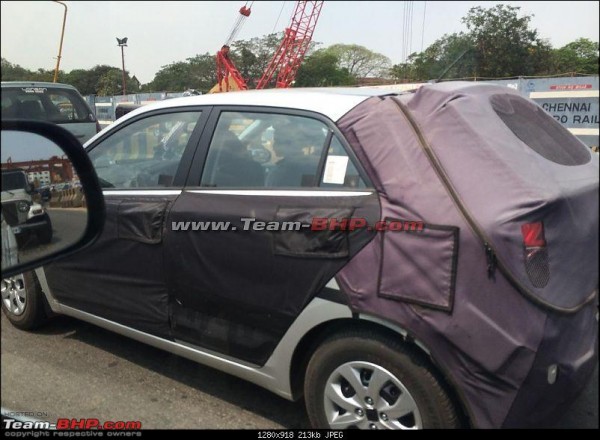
<point>12,181</point>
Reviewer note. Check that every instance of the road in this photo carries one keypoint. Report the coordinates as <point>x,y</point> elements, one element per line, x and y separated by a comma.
<point>68,225</point>
<point>75,370</point>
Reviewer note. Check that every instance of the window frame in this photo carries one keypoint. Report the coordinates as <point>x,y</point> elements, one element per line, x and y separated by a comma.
<point>191,148</point>
<point>196,171</point>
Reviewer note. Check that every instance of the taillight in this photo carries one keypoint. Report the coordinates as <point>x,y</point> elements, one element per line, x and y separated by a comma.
<point>535,253</point>
<point>533,234</point>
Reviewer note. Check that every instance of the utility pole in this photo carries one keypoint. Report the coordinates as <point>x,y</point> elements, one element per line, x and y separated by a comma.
<point>62,34</point>
<point>122,43</point>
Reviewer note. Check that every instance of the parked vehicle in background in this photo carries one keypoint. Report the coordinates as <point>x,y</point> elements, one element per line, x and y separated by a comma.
<point>25,216</point>
<point>125,107</point>
<point>467,295</point>
<point>58,103</point>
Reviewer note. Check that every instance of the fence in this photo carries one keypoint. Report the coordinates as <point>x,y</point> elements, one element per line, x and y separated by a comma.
<point>105,106</point>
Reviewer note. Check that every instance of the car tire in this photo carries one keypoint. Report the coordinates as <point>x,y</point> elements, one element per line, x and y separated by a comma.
<point>23,301</point>
<point>44,235</point>
<point>369,381</point>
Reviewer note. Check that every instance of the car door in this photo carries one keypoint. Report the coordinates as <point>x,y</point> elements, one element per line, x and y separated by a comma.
<point>241,258</point>
<point>142,165</point>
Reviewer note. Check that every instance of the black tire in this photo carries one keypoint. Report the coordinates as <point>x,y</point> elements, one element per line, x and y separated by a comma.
<point>34,314</point>
<point>433,406</point>
<point>44,234</point>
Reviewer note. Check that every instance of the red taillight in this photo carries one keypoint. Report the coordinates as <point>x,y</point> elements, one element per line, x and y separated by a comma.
<point>535,254</point>
<point>533,235</point>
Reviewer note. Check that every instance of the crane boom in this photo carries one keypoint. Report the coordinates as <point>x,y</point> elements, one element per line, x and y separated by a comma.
<point>225,67</point>
<point>293,47</point>
<point>226,70</point>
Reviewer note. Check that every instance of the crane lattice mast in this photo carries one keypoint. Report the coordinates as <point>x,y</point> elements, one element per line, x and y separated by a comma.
<point>295,43</point>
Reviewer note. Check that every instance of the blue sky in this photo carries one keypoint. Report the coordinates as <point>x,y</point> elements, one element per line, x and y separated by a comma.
<point>163,32</point>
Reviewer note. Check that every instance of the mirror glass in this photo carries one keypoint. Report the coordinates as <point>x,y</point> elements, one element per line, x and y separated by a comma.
<point>43,205</point>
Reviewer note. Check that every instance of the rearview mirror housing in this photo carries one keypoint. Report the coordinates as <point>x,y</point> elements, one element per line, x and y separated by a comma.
<point>37,229</point>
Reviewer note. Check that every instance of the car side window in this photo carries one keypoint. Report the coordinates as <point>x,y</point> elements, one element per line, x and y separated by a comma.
<point>257,150</point>
<point>340,171</point>
<point>145,153</point>
<point>66,107</point>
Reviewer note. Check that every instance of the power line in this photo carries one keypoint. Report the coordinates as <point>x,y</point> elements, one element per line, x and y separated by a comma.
<point>410,28</point>
<point>423,28</point>
<point>278,17</point>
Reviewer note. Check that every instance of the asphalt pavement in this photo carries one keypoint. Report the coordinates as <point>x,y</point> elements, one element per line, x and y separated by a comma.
<point>68,226</point>
<point>76,370</point>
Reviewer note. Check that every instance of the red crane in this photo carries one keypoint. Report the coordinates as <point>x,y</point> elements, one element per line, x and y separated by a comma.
<point>225,67</point>
<point>287,58</point>
<point>293,47</point>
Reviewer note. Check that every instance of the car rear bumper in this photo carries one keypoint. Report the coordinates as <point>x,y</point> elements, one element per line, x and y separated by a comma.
<point>570,346</point>
<point>32,224</point>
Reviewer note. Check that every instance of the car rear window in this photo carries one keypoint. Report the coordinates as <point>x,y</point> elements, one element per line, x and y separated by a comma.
<point>57,105</point>
<point>12,181</point>
<point>540,131</point>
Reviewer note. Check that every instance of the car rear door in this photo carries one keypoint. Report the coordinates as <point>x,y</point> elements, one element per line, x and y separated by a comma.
<point>142,165</point>
<point>241,257</point>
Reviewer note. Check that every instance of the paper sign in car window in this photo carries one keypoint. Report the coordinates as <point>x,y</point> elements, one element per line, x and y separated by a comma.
<point>335,169</point>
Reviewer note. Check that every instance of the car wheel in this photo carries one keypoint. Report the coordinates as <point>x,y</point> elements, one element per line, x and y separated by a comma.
<point>44,235</point>
<point>22,301</point>
<point>367,381</point>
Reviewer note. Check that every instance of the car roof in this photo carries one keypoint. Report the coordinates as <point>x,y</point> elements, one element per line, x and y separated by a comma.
<point>331,102</point>
<point>37,84</point>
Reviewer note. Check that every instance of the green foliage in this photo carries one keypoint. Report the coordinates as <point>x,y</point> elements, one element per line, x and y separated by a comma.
<point>504,42</point>
<point>499,43</point>
<point>252,57</point>
<point>579,56</point>
<point>322,69</point>
<point>433,61</point>
<point>359,61</point>
<point>111,83</point>
<point>14,72</point>
<point>87,81</point>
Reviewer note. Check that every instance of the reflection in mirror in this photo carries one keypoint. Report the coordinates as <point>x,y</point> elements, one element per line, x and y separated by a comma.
<point>43,205</point>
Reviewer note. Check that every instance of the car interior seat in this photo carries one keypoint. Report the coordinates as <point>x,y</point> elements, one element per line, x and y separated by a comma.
<point>31,110</point>
<point>233,166</point>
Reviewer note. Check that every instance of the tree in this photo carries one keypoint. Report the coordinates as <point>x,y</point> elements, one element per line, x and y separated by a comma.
<point>504,43</point>
<point>197,73</point>
<point>439,56</point>
<point>321,69</point>
<point>202,74</point>
<point>111,83</point>
<point>360,61</point>
<point>252,57</point>
<point>579,56</point>
<point>14,72</point>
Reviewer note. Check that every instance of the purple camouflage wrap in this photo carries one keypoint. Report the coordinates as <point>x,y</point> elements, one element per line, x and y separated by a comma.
<point>443,156</point>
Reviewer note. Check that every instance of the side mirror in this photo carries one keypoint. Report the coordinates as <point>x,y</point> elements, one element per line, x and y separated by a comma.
<point>37,231</point>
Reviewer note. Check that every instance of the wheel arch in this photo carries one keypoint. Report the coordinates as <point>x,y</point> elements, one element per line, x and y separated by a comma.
<point>313,338</point>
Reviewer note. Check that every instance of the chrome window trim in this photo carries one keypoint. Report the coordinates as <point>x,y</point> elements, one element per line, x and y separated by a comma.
<point>143,192</point>
<point>281,193</point>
